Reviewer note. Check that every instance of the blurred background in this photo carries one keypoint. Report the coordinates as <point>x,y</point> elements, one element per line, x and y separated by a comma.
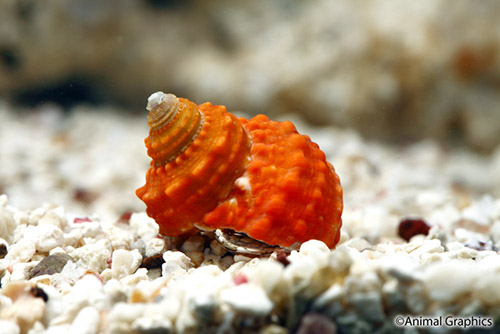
<point>75,76</point>
<point>393,71</point>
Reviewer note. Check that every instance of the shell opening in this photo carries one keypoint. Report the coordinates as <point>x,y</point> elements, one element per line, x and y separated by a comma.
<point>241,243</point>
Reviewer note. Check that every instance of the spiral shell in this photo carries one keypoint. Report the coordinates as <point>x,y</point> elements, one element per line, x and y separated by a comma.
<point>211,170</point>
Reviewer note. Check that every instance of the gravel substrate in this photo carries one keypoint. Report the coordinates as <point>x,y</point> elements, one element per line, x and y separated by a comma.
<point>92,261</point>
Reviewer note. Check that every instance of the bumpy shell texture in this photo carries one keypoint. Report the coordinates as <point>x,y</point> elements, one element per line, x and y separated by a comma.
<point>211,170</point>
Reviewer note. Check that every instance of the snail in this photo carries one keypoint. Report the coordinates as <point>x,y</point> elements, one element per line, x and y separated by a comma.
<point>258,183</point>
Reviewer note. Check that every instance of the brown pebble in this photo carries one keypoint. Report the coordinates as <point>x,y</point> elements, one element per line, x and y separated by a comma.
<point>84,195</point>
<point>39,293</point>
<point>50,265</point>
<point>315,323</point>
<point>154,261</point>
<point>473,62</point>
<point>410,227</point>
<point>282,257</point>
<point>217,248</point>
<point>196,257</point>
<point>3,250</point>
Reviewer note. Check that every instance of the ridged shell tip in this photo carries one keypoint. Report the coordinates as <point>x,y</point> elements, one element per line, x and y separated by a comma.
<point>162,107</point>
<point>159,97</point>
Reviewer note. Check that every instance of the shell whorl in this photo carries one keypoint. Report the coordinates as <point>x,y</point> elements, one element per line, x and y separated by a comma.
<point>174,124</point>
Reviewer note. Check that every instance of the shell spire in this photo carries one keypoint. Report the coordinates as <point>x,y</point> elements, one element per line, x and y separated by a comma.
<point>257,178</point>
<point>174,124</point>
<point>161,107</point>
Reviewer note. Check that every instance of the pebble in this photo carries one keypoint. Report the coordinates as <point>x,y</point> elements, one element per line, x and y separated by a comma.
<point>124,263</point>
<point>154,246</point>
<point>401,266</point>
<point>247,299</point>
<point>144,226</point>
<point>93,256</point>
<point>50,265</point>
<point>193,247</point>
<point>487,289</point>
<point>217,249</point>
<point>393,296</point>
<point>330,300</point>
<point>45,236</point>
<point>203,304</point>
<point>58,329</point>
<point>273,329</point>
<point>3,250</point>
<point>25,309</point>
<point>73,239</point>
<point>139,245</point>
<point>368,305</point>
<point>312,256</point>
<point>90,230</point>
<point>174,262</point>
<point>39,293</point>
<point>55,217</point>
<point>282,257</point>
<point>7,223</point>
<point>267,274</point>
<point>149,325</point>
<point>481,211</point>
<point>86,322</point>
<point>134,279</point>
<point>86,291</point>
<point>439,285</point>
<point>21,251</point>
<point>154,261</point>
<point>20,271</point>
<point>122,316</point>
<point>195,243</point>
<point>120,236</point>
<point>37,214</point>
<point>9,327</point>
<point>426,247</point>
<point>312,323</point>
<point>409,227</point>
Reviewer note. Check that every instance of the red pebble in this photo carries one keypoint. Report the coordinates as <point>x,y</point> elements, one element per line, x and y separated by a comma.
<point>410,227</point>
<point>240,279</point>
<point>81,220</point>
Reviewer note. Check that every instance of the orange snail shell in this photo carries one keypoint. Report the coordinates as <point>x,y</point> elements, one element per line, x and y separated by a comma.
<point>211,170</point>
